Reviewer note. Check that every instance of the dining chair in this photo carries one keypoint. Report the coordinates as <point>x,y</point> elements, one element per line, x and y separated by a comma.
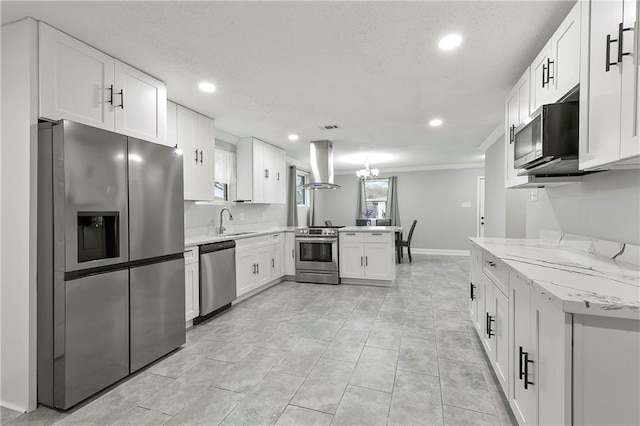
<point>363,222</point>
<point>407,243</point>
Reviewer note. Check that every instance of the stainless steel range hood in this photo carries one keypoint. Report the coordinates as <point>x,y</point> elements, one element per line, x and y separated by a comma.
<point>321,160</point>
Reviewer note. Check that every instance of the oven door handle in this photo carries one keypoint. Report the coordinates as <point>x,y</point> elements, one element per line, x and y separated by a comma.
<point>316,240</point>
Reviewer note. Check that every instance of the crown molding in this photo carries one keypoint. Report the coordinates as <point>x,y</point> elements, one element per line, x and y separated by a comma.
<point>493,137</point>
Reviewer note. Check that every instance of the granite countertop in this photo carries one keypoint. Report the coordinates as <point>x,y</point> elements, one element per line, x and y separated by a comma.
<point>370,229</point>
<point>195,240</point>
<point>581,282</point>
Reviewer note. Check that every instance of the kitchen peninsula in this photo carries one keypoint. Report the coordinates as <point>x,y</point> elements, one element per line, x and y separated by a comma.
<point>548,315</point>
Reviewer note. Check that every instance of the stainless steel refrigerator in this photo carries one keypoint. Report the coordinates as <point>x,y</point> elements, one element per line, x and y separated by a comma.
<point>110,258</point>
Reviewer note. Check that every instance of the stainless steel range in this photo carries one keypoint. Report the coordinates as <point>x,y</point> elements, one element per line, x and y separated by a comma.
<point>317,255</point>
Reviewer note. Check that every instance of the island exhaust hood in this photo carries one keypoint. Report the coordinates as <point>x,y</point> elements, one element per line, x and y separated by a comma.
<point>321,160</point>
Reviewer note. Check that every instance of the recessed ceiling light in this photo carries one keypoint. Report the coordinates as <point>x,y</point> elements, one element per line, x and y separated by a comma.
<point>207,87</point>
<point>435,122</point>
<point>450,41</point>
<point>293,137</point>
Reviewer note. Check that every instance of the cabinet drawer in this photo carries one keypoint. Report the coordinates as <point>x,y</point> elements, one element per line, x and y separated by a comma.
<point>190,255</point>
<point>496,270</point>
<point>351,237</point>
<point>378,237</point>
<point>253,242</point>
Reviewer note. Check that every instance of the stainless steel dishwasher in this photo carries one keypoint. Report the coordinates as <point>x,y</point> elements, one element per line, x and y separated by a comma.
<point>217,278</point>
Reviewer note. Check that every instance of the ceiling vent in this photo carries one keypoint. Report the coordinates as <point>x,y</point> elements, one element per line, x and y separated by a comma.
<point>329,127</point>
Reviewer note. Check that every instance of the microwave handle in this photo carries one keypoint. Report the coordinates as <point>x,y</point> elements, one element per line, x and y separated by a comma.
<point>512,134</point>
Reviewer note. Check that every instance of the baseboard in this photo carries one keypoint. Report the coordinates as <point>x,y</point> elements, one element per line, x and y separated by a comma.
<point>13,407</point>
<point>440,252</point>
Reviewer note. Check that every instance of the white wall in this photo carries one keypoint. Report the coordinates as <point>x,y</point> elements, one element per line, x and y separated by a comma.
<point>18,222</point>
<point>495,205</point>
<point>604,205</point>
<point>433,197</point>
<point>244,215</point>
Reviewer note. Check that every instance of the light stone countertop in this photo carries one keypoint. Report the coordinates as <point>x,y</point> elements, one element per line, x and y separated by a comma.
<point>370,229</point>
<point>581,282</point>
<point>212,238</point>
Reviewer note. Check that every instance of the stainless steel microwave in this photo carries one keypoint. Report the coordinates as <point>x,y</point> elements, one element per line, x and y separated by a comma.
<point>549,140</point>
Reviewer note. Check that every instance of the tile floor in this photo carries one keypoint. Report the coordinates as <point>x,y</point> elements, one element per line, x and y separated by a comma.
<point>305,354</point>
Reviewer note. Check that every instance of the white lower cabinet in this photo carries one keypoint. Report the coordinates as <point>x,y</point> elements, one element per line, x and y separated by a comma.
<point>367,255</point>
<point>191,283</point>
<point>258,262</point>
<point>475,287</point>
<point>289,254</point>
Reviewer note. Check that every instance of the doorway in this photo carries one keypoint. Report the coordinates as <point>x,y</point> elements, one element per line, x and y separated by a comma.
<point>480,208</point>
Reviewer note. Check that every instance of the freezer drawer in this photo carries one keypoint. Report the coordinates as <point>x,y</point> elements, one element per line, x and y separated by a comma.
<point>157,311</point>
<point>96,337</point>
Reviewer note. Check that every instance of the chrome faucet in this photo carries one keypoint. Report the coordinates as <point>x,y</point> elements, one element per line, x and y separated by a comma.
<point>222,229</point>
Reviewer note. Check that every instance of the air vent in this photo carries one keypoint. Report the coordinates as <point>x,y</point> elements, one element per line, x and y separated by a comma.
<point>329,127</point>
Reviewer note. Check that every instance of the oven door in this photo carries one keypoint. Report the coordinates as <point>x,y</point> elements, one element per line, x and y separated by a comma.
<point>317,253</point>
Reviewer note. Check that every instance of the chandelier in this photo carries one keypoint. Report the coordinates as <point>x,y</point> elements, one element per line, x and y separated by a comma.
<point>367,173</point>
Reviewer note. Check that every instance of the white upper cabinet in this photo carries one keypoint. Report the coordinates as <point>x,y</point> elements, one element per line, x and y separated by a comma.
<point>82,84</point>
<point>76,80</point>
<point>556,69</point>
<point>141,108</point>
<point>516,112</point>
<point>260,172</point>
<point>609,107</point>
<point>196,138</point>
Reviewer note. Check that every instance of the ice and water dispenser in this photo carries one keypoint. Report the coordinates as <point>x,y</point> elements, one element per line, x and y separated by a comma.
<point>98,235</point>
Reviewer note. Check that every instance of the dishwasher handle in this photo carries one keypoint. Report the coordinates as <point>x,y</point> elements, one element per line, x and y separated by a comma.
<point>213,247</point>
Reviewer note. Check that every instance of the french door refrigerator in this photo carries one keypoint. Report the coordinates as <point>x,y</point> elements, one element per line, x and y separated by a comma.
<point>110,258</point>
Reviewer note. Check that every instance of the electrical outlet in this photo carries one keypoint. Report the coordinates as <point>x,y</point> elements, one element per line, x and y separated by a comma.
<point>241,216</point>
<point>264,215</point>
<point>534,195</point>
<point>466,205</point>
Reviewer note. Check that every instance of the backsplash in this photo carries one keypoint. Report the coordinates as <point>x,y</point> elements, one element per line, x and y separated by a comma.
<point>205,219</point>
<point>622,252</point>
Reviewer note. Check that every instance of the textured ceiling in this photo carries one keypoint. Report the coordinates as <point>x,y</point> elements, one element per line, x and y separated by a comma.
<point>373,68</point>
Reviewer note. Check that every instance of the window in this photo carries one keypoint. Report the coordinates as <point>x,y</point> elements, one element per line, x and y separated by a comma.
<point>221,191</point>
<point>376,193</point>
<point>301,192</point>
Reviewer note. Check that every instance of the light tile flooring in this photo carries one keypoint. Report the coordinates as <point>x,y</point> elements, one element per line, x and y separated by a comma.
<point>305,354</point>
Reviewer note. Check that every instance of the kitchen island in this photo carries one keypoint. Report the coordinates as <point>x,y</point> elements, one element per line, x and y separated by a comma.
<point>367,255</point>
<point>561,329</point>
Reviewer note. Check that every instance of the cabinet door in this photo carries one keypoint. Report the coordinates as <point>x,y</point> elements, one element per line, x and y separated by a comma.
<point>523,89</point>
<point>280,176</point>
<point>351,260</point>
<point>379,261</point>
<point>259,172</point>
<point>487,313</point>
<point>76,80</point>
<point>630,120</point>
<point>269,174</point>
<point>501,342</point>
<point>205,168</point>
<point>290,254</point>
<point>564,71</point>
<point>262,257</point>
<point>191,291</point>
<point>187,121</point>
<point>172,125</point>
<point>539,78</point>
<point>245,271</point>
<point>276,262</point>
<point>474,286</point>
<point>551,346</point>
<point>522,401</point>
<point>603,140</point>
<point>140,104</point>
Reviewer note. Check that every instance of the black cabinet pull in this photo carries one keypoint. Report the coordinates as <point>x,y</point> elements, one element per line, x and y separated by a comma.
<point>490,319</point>
<point>520,371</point>
<point>111,94</point>
<point>512,133</point>
<point>490,263</point>
<point>273,263</point>
<point>266,173</point>
<point>196,155</point>
<point>549,76</point>
<point>366,261</point>
<point>608,61</point>
<point>121,93</point>
<point>544,79</point>
<point>621,31</point>
<point>471,291</point>
<point>526,370</point>
<point>361,261</point>
<point>278,176</point>
<point>257,268</point>
<point>200,156</point>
